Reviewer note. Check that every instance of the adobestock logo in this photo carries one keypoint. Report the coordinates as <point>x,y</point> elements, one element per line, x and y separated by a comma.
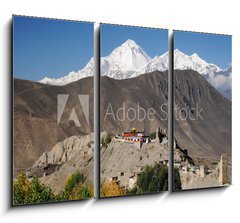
<point>61,104</point>
<point>193,114</point>
<point>138,113</point>
<point>129,113</point>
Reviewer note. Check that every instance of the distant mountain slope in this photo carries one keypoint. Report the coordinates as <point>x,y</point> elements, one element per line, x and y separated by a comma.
<point>35,118</point>
<point>147,91</point>
<point>210,137</point>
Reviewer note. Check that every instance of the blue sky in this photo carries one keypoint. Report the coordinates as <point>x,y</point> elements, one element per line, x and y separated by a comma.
<point>48,47</point>
<point>212,48</point>
<point>153,41</point>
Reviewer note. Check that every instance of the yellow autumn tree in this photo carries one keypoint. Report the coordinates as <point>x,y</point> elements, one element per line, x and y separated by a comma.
<point>111,189</point>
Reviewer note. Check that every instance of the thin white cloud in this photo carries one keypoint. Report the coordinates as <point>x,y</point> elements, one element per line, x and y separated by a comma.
<point>222,81</point>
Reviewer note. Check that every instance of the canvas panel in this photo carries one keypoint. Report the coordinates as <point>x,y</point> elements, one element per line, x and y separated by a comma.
<point>52,110</point>
<point>202,110</point>
<point>133,110</point>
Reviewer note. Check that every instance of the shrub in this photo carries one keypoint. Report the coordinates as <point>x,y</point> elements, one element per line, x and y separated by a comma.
<point>106,140</point>
<point>74,180</point>
<point>152,135</point>
<point>76,188</point>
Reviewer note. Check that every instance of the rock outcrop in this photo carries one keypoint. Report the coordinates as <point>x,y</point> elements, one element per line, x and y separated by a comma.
<point>66,158</point>
<point>124,162</point>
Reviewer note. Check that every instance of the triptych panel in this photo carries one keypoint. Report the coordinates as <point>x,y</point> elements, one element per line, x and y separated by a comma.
<point>53,111</point>
<point>202,110</point>
<point>133,110</point>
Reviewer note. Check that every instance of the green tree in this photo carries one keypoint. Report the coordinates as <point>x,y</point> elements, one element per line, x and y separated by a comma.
<point>177,181</point>
<point>152,179</point>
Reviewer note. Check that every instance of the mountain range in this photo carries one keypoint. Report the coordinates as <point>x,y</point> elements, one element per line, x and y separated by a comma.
<point>35,108</point>
<point>129,60</point>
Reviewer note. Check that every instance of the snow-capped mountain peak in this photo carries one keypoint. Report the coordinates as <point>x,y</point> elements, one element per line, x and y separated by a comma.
<point>130,43</point>
<point>178,52</point>
<point>124,60</point>
<point>195,56</point>
<point>183,61</point>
